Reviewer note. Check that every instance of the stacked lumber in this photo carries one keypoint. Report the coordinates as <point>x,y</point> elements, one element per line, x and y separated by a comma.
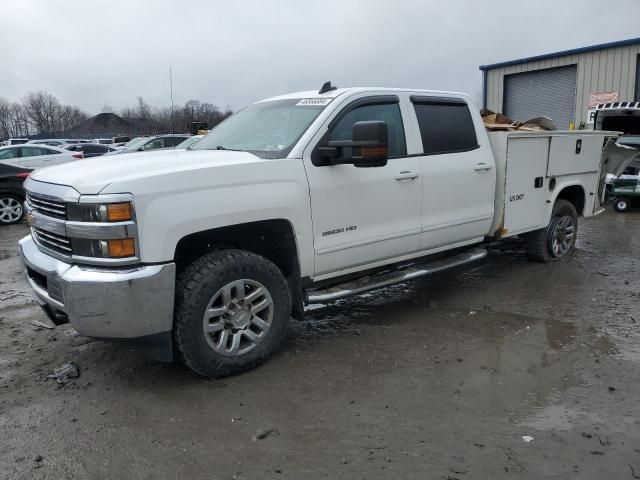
<point>498,122</point>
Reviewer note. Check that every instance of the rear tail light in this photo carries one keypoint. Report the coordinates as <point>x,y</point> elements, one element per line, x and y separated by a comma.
<point>23,174</point>
<point>77,155</point>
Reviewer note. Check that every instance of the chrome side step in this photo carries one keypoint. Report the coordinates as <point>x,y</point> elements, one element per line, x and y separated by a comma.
<point>385,279</point>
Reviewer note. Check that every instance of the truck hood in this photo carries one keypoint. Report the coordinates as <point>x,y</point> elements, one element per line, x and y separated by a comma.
<point>90,176</point>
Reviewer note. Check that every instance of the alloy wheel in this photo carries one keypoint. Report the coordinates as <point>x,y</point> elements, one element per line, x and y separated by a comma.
<point>10,210</point>
<point>238,317</point>
<point>563,236</point>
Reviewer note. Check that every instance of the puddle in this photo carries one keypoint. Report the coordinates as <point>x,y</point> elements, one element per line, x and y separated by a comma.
<point>561,418</point>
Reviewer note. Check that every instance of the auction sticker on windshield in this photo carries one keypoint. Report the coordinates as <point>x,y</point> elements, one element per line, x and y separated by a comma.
<point>314,102</point>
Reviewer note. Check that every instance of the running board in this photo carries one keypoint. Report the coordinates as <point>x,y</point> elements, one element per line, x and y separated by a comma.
<point>370,282</point>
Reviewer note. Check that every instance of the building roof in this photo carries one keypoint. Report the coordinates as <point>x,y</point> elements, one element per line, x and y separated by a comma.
<point>102,123</point>
<point>563,53</point>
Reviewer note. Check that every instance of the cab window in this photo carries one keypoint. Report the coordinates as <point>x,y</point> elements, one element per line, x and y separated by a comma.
<point>386,112</point>
<point>445,125</point>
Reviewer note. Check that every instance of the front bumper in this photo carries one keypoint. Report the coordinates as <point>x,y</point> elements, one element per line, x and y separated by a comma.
<point>110,303</point>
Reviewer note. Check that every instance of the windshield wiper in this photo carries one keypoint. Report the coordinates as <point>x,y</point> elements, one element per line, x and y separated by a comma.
<point>220,147</point>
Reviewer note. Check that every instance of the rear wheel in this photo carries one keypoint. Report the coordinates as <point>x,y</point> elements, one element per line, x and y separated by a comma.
<point>11,209</point>
<point>232,312</point>
<point>559,238</point>
<point>621,204</point>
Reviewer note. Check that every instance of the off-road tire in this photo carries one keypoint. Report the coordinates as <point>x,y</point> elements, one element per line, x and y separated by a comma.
<point>194,289</point>
<point>621,204</point>
<point>538,242</point>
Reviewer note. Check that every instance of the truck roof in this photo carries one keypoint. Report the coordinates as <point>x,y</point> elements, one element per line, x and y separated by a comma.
<point>340,91</point>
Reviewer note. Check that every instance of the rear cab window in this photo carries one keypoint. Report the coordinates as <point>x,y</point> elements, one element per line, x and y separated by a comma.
<point>445,125</point>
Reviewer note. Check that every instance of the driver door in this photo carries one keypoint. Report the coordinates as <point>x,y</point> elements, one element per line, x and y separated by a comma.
<point>364,215</point>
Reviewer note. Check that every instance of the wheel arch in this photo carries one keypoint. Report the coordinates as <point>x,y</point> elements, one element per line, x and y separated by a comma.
<point>573,193</point>
<point>273,239</point>
<point>12,187</point>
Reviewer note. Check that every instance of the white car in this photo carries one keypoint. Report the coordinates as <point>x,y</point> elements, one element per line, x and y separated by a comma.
<point>54,142</point>
<point>156,142</point>
<point>17,141</point>
<point>189,142</point>
<point>36,156</point>
<point>16,163</point>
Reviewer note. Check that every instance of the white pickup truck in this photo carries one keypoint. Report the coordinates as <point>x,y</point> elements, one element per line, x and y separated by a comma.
<point>206,253</point>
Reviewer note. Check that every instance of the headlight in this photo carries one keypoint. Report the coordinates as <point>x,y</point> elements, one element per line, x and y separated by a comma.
<point>100,212</point>
<point>103,228</point>
<point>121,248</point>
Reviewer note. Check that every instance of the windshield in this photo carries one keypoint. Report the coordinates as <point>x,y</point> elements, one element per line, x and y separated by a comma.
<point>266,129</point>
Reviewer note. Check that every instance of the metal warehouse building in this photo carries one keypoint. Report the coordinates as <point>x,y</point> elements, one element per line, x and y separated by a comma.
<point>564,85</point>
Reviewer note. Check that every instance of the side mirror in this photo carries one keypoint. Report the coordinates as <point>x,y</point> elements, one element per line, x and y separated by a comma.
<point>368,147</point>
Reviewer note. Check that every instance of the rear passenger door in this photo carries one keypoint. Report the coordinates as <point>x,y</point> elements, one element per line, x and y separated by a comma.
<point>35,156</point>
<point>458,172</point>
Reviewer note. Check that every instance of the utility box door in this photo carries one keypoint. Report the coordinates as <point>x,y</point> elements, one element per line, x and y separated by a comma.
<point>574,154</point>
<point>525,184</point>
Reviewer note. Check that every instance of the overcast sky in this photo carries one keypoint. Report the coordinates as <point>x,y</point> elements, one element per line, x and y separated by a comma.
<point>231,53</point>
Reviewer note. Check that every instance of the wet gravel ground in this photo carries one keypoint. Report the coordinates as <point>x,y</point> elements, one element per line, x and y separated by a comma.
<point>508,369</point>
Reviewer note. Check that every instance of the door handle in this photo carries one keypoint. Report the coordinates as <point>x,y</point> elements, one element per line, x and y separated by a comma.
<point>407,175</point>
<point>482,166</point>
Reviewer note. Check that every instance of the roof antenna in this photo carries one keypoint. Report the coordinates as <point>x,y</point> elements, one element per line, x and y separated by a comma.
<point>327,87</point>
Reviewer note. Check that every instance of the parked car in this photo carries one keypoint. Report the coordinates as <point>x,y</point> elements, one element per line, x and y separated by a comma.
<point>157,142</point>
<point>16,163</point>
<point>103,141</point>
<point>190,142</point>
<point>54,142</point>
<point>303,198</point>
<point>90,149</point>
<point>17,141</point>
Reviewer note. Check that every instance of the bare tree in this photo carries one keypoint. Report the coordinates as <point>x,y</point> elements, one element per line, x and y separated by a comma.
<point>42,110</point>
<point>69,117</point>
<point>19,123</point>
<point>6,119</point>
<point>40,113</point>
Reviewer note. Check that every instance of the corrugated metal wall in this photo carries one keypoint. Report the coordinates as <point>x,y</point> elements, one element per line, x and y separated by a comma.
<point>550,92</point>
<point>611,69</point>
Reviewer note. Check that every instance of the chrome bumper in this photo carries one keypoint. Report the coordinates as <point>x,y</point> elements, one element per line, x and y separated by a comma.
<point>110,303</point>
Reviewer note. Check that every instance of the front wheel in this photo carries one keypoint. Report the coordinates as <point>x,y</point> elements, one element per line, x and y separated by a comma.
<point>232,312</point>
<point>621,204</point>
<point>559,238</point>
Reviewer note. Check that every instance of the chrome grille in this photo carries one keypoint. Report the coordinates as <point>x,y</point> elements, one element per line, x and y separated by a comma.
<point>47,205</point>
<point>52,241</point>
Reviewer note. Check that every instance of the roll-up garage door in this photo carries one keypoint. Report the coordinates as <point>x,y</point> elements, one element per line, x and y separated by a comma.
<point>550,92</point>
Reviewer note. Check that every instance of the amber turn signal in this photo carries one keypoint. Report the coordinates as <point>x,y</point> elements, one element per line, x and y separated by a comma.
<point>373,151</point>
<point>119,212</point>
<point>121,248</point>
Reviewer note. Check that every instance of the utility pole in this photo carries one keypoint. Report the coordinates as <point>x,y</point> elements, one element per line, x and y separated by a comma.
<point>173,132</point>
